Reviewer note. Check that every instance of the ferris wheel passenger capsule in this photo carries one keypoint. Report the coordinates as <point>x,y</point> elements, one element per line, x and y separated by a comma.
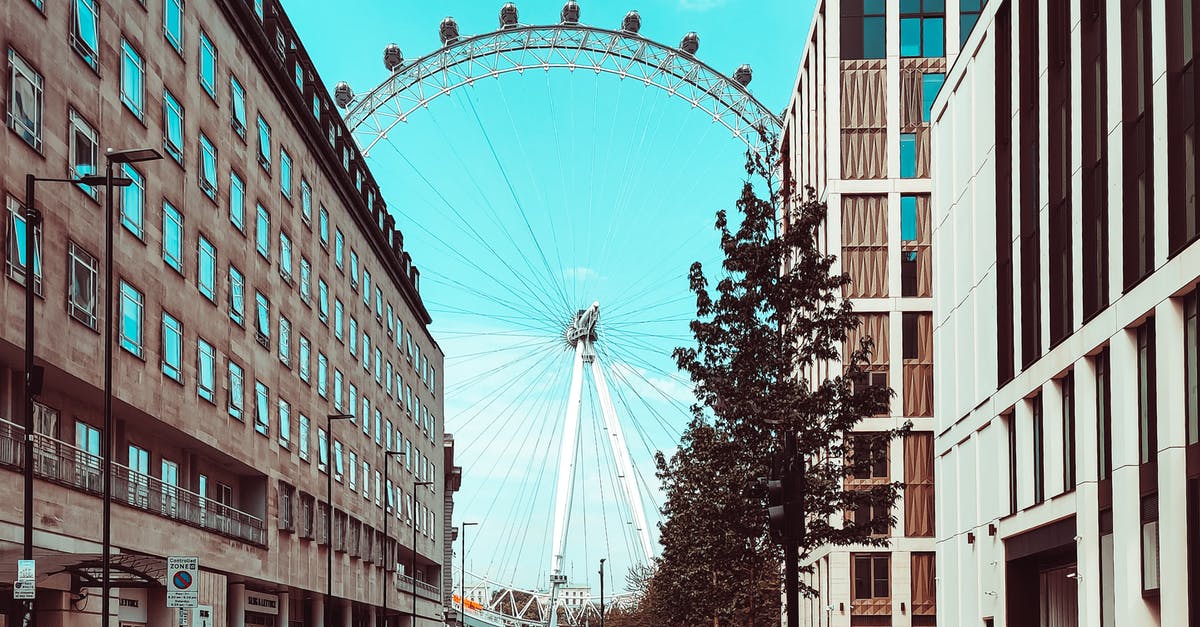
<point>632,22</point>
<point>570,12</point>
<point>743,75</point>
<point>448,31</point>
<point>342,94</point>
<point>393,58</point>
<point>690,43</point>
<point>508,15</point>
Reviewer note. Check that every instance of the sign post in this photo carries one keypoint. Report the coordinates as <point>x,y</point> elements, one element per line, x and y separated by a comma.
<point>182,573</point>
<point>25,587</point>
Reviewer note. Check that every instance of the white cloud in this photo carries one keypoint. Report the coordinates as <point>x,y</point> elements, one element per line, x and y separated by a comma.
<point>700,5</point>
<point>581,274</point>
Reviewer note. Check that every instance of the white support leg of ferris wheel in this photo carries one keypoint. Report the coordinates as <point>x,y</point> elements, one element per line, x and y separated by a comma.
<point>616,441</point>
<point>566,476</point>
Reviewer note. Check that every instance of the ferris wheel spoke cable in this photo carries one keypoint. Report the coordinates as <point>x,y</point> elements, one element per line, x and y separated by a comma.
<point>644,438</point>
<point>619,373</point>
<point>523,346</point>
<point>635,360</point>
<point>596,439</point>
<point>615,200</point>
<point>530,383</point>
<point>567,298</point>
<point>520,323</point>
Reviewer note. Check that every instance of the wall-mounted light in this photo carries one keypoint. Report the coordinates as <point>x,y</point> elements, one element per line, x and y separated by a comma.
<point>970,537</point>
<point>992,529</point>
<point>902,607</point>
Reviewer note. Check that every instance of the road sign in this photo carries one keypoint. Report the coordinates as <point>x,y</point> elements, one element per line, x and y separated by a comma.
<point>25,569</point>
<point>24,589</point>
<point>182,575</point>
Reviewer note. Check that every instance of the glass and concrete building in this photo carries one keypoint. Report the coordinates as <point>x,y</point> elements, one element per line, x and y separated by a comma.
<point>260,286</point>
<point>858,132</point>
<point>1066,341</point>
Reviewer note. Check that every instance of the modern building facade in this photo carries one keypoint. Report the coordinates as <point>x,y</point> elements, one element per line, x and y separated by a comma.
<point>1066,337</point>
<point>858,132</point>
<point>260,286</point>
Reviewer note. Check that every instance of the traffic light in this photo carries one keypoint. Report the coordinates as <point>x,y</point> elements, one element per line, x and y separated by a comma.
<point>785,511</point>
<point>777,510</point>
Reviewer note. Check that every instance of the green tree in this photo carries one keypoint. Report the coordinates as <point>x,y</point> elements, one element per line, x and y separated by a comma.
<point>769,360</point>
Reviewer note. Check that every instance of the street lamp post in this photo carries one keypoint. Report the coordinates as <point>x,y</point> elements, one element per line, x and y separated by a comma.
<point>389,561</point>
<point>33,374</point>
<point>413,573</point>
<point>329,418</point>
<point>462,594</point>
<point>602,592</point>
<point>132,155</point>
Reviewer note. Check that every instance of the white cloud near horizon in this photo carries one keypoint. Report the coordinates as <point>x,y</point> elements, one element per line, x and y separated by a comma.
<point>700,5</point>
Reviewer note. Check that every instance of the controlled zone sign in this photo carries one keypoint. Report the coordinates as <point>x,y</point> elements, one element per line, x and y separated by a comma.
<point>182,584</point>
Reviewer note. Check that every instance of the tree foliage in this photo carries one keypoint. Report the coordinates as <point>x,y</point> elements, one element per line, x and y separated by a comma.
<point>768,359</point>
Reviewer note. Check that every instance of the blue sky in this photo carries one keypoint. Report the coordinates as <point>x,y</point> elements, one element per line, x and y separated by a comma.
<point>526,197</point>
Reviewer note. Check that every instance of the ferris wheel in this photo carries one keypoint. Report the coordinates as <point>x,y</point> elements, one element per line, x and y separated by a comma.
<point>520,292</point>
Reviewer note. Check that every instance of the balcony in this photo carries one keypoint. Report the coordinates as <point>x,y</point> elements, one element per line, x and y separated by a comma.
<point>404,583</point>
<point>59,462</point>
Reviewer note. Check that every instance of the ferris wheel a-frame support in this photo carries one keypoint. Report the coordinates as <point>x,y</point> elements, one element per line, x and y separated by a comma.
<point>582,335</point>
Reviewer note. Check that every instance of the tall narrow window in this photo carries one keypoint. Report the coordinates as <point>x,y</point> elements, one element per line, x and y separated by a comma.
<point>1094,79</point>
<point>17,255</point>
<point>25,100</point>
<point>236,402</point>
<point>908,155</point>
<point>1068,431</point>
<point>322,374</point>
<point>1191,348</point>
<point>237,106</point>
<point>173,23</point>
<point>922,28</point>
<point>205,370</point>
<point>172,346</point>
<point>931,84</point>
<point>305,280</point>
<point>237,295</point>
<point>262,232</point>
<point>285,173</point>
<point>172,243</point>
<point>237,201</point>
<point>1031,301</point>
<point>323,301</point>
<point>864,29</point>
<point>306,202</point>
<point>172,126</point>
<point>84,148</point>
<point>339,245</point>
<point>262,318</point>
<point>206,268</point>
<point>304,359</point>
<point>302,437</point>
<point>264,144</point>
<point>1147,405</point>
<point>323,228</point>
<point>968,14</point>
<point>132,303</point>
<point>1137,83</point>
<point>1039,452</point>
<point>85,34</point>
<point>133,75</point>
<point>1104,428</point>
<point>81,292</point>
<point>1183,27</point>
<point>285,341</point>
<point>208,167</point>
<point>285,423</point>
<point>1150,551</point>
<point>1061,277</point>
<point>1010,424</point>
<point>262,408</point>
<point>208,65</point>
<point>285,256</point>
<point>1005,341</point>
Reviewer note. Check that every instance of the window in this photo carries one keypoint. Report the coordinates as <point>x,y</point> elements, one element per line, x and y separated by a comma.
<point>264,144</point>
<point>322,373</point>
<point>206,268</point>
<point>285,341</point>
<point>237,201</point>
<point>908,273</point>
<point>262,318</point>
<point>81,291</point>
<point>132,200</point>
<point>353,270</point>
<point>173,23</point>
<point>1147,414</point>
<point>305,281</point>
<point>353,483</point>
<point>1184,212</point>
<point>235,390</point>
<point>1150,553</point>
<point>262,408</point>
<point>323,301</point>
<point>285,423</point>
<point>25,100</point>
<point>305,202</point>
<point>85,36</point>
<point>909,335</point>
<point>353,337</point>
<point>172,244</point>
<point>1094,128</point>
<point>208,65</point>
<point>337,319</point>
<point>1039,453</point>
<point>322,451</point>
<point>968,14</point>
<point>931,84</point>
<point>1104,429</point>
<point>908,155</point>
<point>285,256</point>
<point>337,460</point>
<point>237,295</point>
<point>864,29</point>
<point>1029,163</point>
<point>366,288</point>
<point>869,455</point>
<point>262,232</point>
<point>208,167</point>
<point>323,227</point>
<point>84,146</point>
<point>172,346</point>
<point>302,437</point>
<point>1191,360</point>
<point>237,106</point>
<point>337,389</point>
<point>304,358</point>
<point>132,302</point>
<point>1058,23</point>
<point>1068,431</point>
<point>206,373</point>
<point>133,75</point>
<point>1010,424</point>
<point>18,247</point>
<point>339,246</point>
<point>1137,83</point>
<point>871,576</point>
<point>285,173</point>
<point>922,28</point>
<point>172,126</point>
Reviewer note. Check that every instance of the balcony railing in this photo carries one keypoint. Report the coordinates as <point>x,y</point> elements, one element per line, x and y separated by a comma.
<point>404,583</point>
<point>61,463</point>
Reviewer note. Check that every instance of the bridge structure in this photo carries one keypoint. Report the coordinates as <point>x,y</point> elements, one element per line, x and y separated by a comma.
<point>573,46</point>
